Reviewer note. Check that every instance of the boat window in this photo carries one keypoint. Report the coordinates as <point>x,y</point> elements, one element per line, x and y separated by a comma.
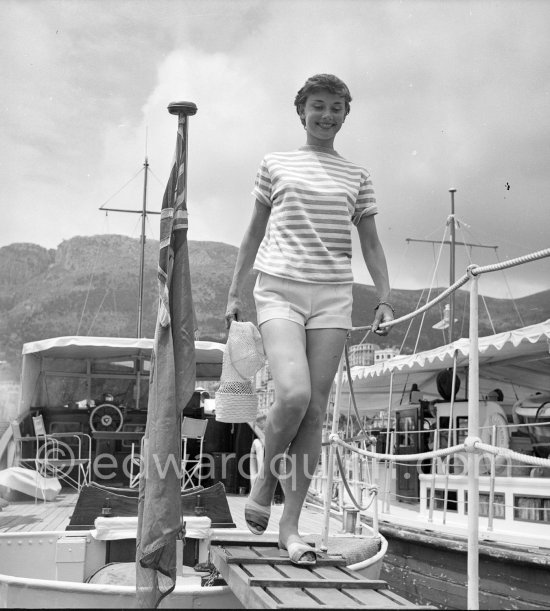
<point>60,391</point>
<point>120,391</point>
<point>408,433</point>
<point>113,366</point>
<point>499,506</point>
<point>439,498</point>
<point>532,508</point>
<point>53,365</point>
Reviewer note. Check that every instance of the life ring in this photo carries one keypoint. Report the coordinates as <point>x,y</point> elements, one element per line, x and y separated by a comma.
<point>256,459</point>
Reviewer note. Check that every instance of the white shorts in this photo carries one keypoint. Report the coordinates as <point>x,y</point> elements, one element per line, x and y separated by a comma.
<point>312,305</point>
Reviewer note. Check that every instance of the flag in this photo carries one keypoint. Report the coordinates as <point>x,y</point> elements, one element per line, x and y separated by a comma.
<point>171,385</point>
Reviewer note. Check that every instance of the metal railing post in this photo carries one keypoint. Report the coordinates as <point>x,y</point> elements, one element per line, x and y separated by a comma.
<point>473,433</point>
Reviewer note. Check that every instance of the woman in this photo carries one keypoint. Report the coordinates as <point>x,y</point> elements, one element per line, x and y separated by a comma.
<point>299,240</point>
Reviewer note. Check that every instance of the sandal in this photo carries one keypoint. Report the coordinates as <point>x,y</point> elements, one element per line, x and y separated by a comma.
<point>256,516</point>
<point>299,552</point>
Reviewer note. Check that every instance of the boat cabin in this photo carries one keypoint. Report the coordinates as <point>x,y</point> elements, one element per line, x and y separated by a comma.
<point>100,386</point>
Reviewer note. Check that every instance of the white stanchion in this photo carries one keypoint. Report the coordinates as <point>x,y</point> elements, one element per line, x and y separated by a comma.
<point>473,433</point>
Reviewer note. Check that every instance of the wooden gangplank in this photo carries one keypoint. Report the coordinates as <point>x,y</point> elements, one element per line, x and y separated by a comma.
<point>263,577</point>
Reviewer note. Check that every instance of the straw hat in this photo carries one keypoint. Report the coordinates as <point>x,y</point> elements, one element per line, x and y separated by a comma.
<point>236,399</point>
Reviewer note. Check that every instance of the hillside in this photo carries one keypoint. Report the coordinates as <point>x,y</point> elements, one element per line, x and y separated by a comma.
<point>89,286</point>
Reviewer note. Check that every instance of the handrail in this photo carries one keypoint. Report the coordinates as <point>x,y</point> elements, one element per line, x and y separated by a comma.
<point>473,270</point>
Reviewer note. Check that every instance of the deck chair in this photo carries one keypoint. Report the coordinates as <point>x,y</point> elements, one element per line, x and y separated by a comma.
<point>192,429</point>
<point>20,458</point>
<point>136,463</point>
<point>56,458</point>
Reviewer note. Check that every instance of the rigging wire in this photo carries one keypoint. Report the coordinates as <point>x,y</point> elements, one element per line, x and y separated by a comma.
<point>510,291</point>
<point>431,287</point>
<point>116,313</point>
<point>95,260</point>
<point>98,310</point>
<point>441,309</point>
<point>121,188</point>
<point>469,252</point>
<point>156,177</point>
<point>410,321</point>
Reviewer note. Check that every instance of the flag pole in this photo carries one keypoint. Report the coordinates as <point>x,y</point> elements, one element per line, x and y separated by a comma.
<point>171,385</point>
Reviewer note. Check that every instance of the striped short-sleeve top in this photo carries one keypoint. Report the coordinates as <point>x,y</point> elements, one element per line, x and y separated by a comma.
<point>315,196</point>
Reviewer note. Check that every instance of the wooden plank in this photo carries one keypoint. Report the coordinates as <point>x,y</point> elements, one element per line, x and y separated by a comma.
<point>54,517</point>
<point>251,598</point>
<point>240,553</point>
<point>283,561</point>
<point>380,599</point>
<point>315,582</point>
<point>263,573</point>
<point>292,572</point>
<point>293,598</point>
<point>237,580</point>
<point>334,598</point>
<point>265,551</point>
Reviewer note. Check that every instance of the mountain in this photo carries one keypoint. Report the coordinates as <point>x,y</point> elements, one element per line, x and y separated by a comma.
<point>89,286</point>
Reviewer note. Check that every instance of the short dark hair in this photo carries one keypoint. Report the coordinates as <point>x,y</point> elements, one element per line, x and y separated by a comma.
<point>329,82</point>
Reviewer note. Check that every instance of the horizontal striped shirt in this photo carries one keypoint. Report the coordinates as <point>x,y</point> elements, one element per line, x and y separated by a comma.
<point>315,195</point>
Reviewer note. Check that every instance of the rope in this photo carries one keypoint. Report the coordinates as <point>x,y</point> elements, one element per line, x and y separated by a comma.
<point>534,256</point>
<point>351,391</point>
<point>373,489</point>
<point>530,460</point>
<point>460,282</point>
<point>405,457</point>
<point>470,445</point>
<point>473,270</point>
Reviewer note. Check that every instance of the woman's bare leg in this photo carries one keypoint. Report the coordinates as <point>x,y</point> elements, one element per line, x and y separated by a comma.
<point>324,350</point>
<point>285,348</point>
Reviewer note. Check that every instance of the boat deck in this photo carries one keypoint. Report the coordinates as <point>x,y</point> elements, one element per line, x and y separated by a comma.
<point>28,516</point>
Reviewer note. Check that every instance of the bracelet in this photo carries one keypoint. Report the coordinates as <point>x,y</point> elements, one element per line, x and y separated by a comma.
<point>386,304</point>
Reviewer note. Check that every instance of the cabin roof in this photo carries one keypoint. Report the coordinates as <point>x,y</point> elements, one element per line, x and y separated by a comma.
<point>81,347</point>
<point>511,356</point>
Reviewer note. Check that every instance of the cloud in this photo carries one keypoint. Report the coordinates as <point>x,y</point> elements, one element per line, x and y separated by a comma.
<point>444,95</point>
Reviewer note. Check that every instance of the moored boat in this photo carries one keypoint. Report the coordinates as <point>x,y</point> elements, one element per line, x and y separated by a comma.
<point>416,411</point>
<point>74,566</point>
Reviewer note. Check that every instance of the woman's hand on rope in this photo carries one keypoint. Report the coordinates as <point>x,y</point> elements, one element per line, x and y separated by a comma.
<point>384,312</point>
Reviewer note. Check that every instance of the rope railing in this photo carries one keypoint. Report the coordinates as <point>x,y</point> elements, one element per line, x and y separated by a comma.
<point>534,256</point>
<point>473,270</point>
<point>473,445</point>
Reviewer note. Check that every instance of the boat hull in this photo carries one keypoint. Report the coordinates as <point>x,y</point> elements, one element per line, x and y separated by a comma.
<point>52,569</point>
<point>431,568</point>
<point>24,593</point>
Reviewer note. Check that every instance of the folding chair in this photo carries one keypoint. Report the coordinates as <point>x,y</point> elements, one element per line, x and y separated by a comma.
<point>136,463</point>
<point>18,459</point>
<point>56,458</point>
<point>192,429</point>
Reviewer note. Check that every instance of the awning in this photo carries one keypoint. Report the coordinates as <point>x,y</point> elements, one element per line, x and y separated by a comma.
<point>519,356</point>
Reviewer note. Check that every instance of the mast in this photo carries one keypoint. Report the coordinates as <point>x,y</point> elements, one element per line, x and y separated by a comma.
<point>142,251</point>
<point>453,244</point>
<point>144,212</point>
<point>452,267</point>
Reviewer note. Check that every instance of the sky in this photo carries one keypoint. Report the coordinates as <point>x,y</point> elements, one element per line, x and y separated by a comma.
<point>446,95</point>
